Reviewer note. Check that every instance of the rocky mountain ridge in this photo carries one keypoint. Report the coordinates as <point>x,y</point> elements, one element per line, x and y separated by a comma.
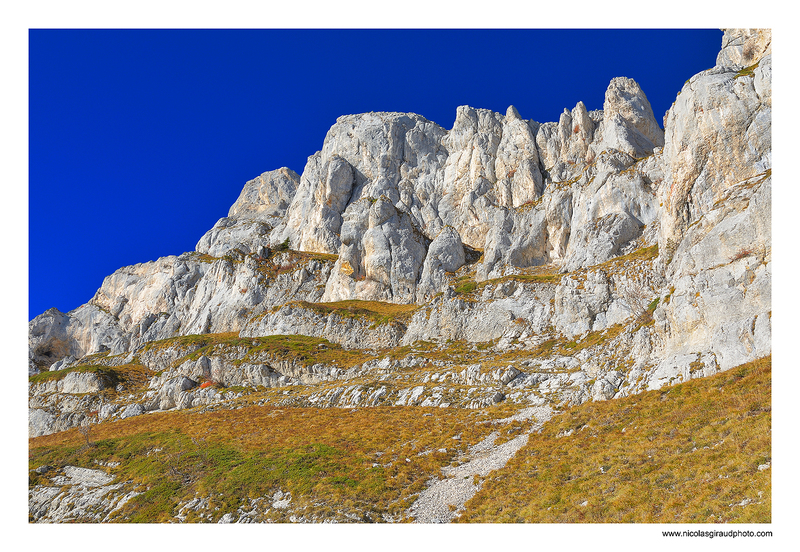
<point>501,260</point>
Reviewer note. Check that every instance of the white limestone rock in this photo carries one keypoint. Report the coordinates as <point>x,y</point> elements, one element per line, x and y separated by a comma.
<point>325,189</point>
<point>564,146</point>
<point>602,240</point>
<point>612,204</point>
<point>82,382</point>
<point>65,362</point>
<point>721,273</point>
<point>267,196</point>
<point>628,123</point>
<point>170,393</point>
<point>189,295</point>
<point>131,410</point>
<point>682,367</point>
<point>518,239</point>
<point>244,235</point>
<point>507,309</point>
<point>468,200</point>
<point>403,202</point>
<point>79,495</point>
<point>718,134</point>
<point>136,294</point>
<point>519,179</point>
<point>578,303</point>
<point>88,329</point>
<point>365,156</point>
<point>445,254</point>
<point>744,47</point>
<point>260,207</point>
<point>84,477</point>
<point>40,422</point>
<point>349,332</point>
<point>381,255</point>
<point>48,338</point>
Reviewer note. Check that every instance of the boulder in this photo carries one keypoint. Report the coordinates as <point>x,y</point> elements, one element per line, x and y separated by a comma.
<point>134,409</point>
<point>82,382</point>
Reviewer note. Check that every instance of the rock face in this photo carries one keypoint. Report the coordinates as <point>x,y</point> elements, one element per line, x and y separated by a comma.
<point>351,333</point>
<point>716,225</point>
<point>744,47</point>
<point>260,207</point>
<point>508,234</point>
<point>88,329</point>
<point>628,123</point>
<point>184,295</point>
<point>705,154</point>
<point>78,494</point>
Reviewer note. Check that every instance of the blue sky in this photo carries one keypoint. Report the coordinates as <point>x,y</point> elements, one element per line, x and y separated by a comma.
<point>140,140</point>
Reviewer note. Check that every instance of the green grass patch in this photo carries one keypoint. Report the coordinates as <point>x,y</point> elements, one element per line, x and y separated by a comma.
<point>641,254</point>
<point>103,372</point>
<point>466,287</point>
<point>551,278</point>
<point>538,275</point>
<point>747,71</point>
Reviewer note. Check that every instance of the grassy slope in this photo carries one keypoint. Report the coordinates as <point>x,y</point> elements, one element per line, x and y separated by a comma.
<point>688,453</point>
<point>325,457</point>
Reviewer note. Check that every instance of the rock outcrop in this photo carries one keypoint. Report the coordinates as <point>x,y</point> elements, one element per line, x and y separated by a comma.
<point>260,207</point>
<point>624,256</point>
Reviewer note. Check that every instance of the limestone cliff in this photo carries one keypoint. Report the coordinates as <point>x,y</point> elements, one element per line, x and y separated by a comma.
<point>610,255</point>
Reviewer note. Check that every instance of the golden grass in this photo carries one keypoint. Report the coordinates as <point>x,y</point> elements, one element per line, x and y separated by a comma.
<point>376,311</point>
<point>293,260</point>
<point>747,71</point>
<point>683,454</point>
<point>641,254</point>
<point>547,274</point>
<point>549,278</point>
<point>468,352</point>
<point>688,453</point>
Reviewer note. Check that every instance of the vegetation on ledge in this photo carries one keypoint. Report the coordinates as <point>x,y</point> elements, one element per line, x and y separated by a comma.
<point>298,348</point>
<point>377,311</point>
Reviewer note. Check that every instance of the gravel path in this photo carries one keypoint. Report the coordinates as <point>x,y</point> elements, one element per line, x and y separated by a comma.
<point>444,499</point>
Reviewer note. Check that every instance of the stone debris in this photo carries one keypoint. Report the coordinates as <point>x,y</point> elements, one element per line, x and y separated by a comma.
<point>444,498</point>
<point>79,494</point>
